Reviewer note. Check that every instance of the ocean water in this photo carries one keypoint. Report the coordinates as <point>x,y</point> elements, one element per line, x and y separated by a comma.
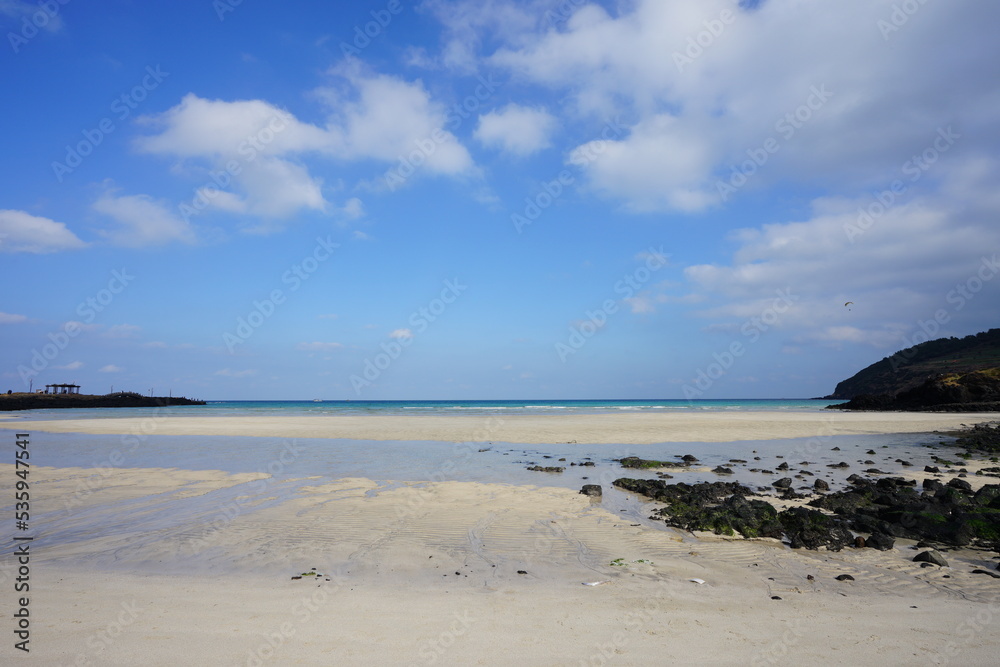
<point>459,407</point>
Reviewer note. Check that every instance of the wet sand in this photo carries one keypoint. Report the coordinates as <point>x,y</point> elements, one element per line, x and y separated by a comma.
<point>151,566</point>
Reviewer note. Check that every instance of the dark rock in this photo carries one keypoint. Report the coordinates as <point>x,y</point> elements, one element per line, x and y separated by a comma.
<point>988,496</point>
<point>838,465</point>
<point>783,483</point>
<point>844,577</point>
<point>775,597</point>
<point>859,542</point>
<point>636,462</point>
<point>546,468</point>
<point>821,485</point>
<point>870,452</point>
<point>906,463</point>
<point>783,466</point>
<point>880,541</point>
<point>931,469</point>
<point>932,485</point>
<point>960,484</point>
<point>930,557</point>
<point>689,458</point>
<point>722,470</point>
<point>992,574</point>
<point>812,529</point>
<point>593,490</point>
<point>875,471</point>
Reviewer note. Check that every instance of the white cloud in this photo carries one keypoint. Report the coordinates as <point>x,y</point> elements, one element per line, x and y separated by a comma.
<point>925,263</point>
<point>72,366</point>
<point>691,121</point>
<point>359,235</point>
<point>516,129</point>
<point>142,221</point>
<point>318,347</point>
<point>111,368</point>
<point>401,333</point>
<point>386,118</point>
<point>38,15</point>
<point>12,318</point>
<point>23,232</point>
<point>370,117</point>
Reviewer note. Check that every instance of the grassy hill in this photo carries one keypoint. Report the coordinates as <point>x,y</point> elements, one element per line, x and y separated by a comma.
<point>910,368</point>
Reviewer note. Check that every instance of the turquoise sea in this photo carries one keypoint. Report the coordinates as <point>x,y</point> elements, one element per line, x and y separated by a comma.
<point>454,407</point>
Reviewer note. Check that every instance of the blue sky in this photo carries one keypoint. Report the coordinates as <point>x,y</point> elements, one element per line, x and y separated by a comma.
<point>499,199</point>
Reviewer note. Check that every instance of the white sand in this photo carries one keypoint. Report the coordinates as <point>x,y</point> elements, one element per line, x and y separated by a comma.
<point>625,429</point>
<point>165,567</point>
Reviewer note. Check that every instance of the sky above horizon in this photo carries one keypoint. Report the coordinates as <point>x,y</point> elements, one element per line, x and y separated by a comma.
<point>454,199</point>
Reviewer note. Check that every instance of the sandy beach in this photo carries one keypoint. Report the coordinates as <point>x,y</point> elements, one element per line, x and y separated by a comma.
<point>155,566</point>
<point>625,429</point>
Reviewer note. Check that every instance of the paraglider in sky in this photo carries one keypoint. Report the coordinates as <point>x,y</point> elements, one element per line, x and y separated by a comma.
<point>848,304</point>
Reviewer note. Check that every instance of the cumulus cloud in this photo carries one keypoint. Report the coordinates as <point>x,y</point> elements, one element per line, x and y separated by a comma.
<point>516,129</point>
<point>699,103</point>
<point>23,232</point>
<point>111,368</point>
<point>142,221</point>
<point>925,258</point>
<point>257,159</point>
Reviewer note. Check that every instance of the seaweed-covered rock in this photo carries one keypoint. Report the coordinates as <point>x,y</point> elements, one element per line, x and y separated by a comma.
<point>593,490</point>
<point>636,462</point>
<point>813,529</point>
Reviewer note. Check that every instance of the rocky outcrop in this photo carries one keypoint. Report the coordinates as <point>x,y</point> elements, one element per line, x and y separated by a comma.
<point>978,391</point>
<point>127,399</point>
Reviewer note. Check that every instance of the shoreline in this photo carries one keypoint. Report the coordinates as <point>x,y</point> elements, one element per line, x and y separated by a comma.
<point>460,573</point>
<point>634,429</point>
<point>313,566</point>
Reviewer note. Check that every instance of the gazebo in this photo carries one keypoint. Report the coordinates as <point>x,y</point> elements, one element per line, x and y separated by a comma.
<point>62,389</point>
